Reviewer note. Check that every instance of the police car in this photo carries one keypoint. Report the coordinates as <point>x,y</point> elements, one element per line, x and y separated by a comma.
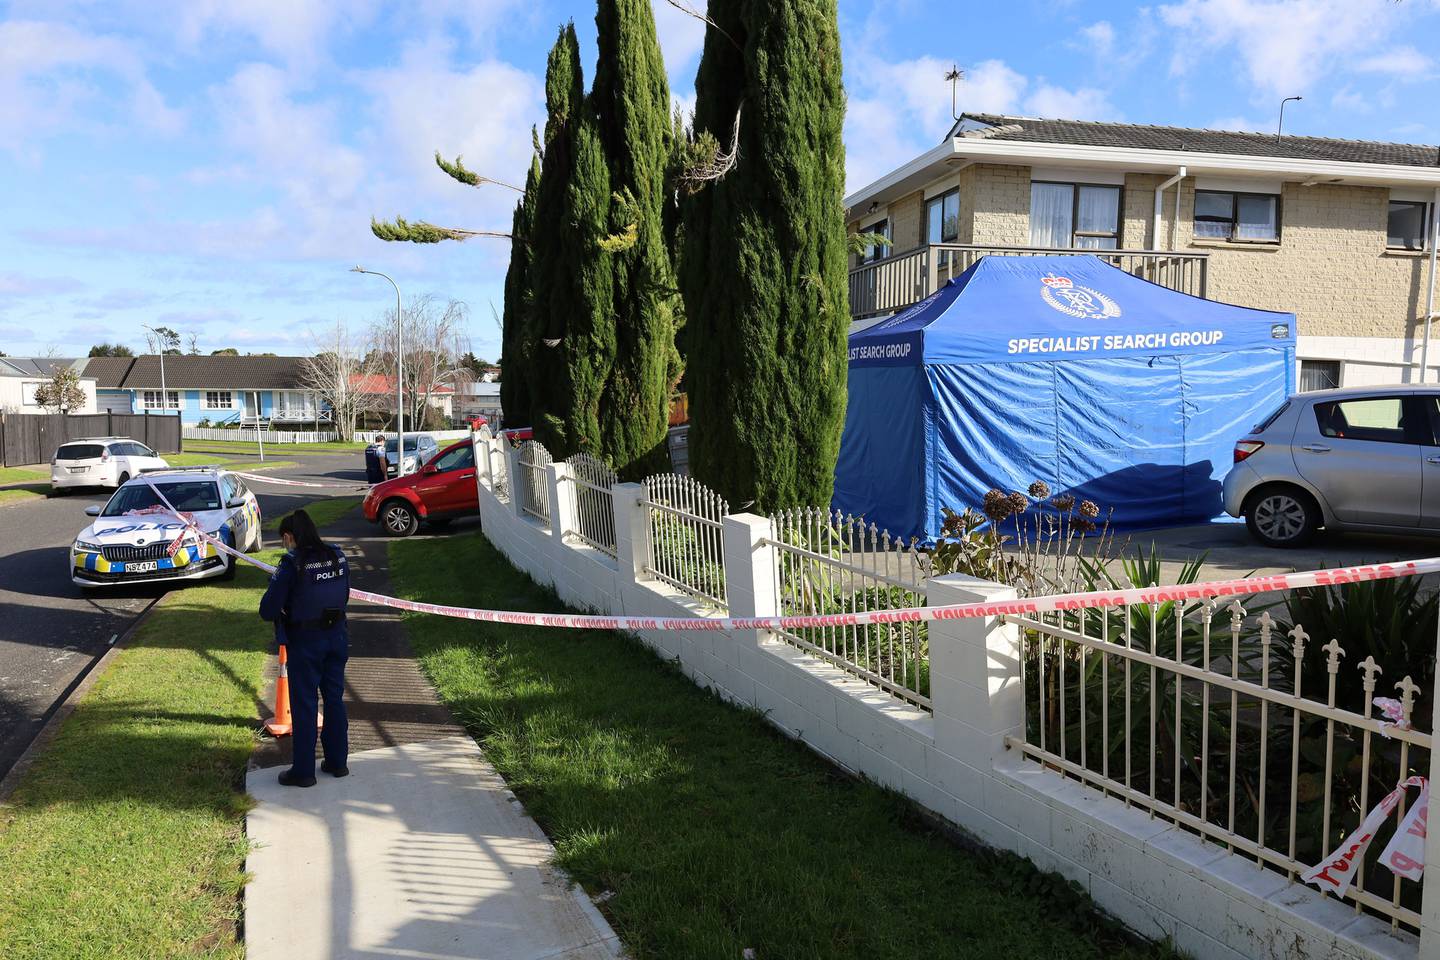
<point>134,539</point>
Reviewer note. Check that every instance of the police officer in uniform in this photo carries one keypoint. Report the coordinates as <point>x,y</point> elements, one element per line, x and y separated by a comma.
<point>307,596</point>
<point>375,460</point>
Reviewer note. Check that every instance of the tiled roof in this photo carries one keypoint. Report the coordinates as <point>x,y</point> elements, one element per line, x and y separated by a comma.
<point>109,372</point>
<point>1142,137</point>
<point>34,366</point>
<point>192,373</point>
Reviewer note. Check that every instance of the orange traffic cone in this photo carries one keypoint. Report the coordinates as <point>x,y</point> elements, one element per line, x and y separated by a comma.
<point>279,725</point>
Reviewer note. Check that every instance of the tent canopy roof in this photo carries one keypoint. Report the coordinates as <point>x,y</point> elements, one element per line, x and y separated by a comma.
<point>1015,309</point>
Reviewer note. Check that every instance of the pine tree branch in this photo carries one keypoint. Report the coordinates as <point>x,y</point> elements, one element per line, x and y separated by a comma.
<point>422,232</point>
<point>689,11</point>
<point>716,162</point>
<point>470,178</point>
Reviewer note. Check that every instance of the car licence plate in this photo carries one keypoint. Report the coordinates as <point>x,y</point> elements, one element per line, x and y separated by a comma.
<point>146,566</point>
<point>79,469</point>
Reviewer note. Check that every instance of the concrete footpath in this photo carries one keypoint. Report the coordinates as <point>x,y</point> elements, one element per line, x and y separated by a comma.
<point>422,851</point>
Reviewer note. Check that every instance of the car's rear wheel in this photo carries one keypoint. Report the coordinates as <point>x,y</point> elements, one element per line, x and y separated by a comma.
<point>399,518</point>
<point>124,477</point>
<point>1282,516</point>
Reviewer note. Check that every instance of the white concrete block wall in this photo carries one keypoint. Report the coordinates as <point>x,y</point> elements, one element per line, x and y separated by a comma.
<point>1158,879</point>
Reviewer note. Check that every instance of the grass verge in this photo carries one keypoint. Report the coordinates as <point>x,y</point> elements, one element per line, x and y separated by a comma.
<point>32,491</point>
<point>125,839</point>
<point>21,475</point>
<point>323,512</point>
<point>714,832</point>
<point>205,460</point>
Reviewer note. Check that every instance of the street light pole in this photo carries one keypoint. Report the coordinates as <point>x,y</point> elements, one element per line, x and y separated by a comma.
<point>399,372</point>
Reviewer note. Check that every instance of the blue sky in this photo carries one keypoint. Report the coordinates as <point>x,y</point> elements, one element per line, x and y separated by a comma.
<point>212,165</point>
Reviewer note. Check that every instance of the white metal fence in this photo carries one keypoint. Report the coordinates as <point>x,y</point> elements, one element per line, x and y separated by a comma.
<point>686,549</point>
<point>532,485</point>
<point>830,563</point>
<point>264,436</point>
<point>1223,723</point>
<point>593,516</point>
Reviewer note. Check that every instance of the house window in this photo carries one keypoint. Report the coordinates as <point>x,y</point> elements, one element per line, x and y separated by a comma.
<point>1242,217</point>
<point>27,394</point>
<point>1406,227</point>
<point>150,400</point>
<point>219,400</point>
<point>295,405</point>
<point>1319,375</point>
<point>942,218</point>
<point>877,251</point>
<point>1083,215</point>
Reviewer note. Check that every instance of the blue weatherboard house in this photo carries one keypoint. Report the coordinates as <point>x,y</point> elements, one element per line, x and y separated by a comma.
<point>217,389</point>
<point>1062,369</point>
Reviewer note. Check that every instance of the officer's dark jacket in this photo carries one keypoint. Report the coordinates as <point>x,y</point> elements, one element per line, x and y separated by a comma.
<point>309,592</point>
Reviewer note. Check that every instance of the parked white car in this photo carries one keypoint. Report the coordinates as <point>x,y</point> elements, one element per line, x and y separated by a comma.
<point>132,537</point>
<point>100,462</point>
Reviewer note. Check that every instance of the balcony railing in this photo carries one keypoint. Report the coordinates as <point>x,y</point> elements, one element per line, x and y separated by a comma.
<point>898,281</point>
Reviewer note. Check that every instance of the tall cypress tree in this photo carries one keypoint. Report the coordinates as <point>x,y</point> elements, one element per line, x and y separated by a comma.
<point>631,100</point>
<point>764,268</point>
<point>516,342</point>
<point>550,276</point>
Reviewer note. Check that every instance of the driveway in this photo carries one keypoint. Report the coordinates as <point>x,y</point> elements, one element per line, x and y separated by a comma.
<point>50,632</point>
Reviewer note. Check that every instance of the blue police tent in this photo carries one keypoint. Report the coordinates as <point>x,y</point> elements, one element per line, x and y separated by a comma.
<point>1062,369</point>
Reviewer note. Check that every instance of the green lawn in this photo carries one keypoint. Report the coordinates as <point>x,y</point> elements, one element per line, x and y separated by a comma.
<point>713,832</point>
<point>206,459</point>
<point>21,475</point>
<point>323,512</point>
<point>126,838</point>
<point>28,492</point>
<point>249,448</point>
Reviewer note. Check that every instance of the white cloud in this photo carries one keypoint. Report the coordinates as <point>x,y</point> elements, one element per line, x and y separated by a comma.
<point>1286,46</point>
<point>1085,103</point>
<point>1099,39</point>
<point>50,73</point>
<point>1405,62</point>
<point>1237,123</point>
<point>294,30</point>
<point>682,37</point>
<point>1351,100</point>
<point>991,87</point>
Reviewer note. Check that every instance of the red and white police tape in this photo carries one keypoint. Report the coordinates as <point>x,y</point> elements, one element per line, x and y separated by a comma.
<point>1403,856</point>
<point>1065,601</point>
<point>261,478</point>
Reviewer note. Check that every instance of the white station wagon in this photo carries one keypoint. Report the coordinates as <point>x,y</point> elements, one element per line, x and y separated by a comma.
<point>100,462</point>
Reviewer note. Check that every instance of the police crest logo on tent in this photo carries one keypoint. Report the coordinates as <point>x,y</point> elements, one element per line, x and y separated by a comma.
<point>1083,302</point>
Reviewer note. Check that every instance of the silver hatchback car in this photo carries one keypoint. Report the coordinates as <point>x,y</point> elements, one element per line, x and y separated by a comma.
<point>1357,458</point>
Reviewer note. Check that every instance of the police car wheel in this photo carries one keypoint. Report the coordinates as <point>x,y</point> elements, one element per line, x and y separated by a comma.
<point>229,573</point>
<point>399,519</point>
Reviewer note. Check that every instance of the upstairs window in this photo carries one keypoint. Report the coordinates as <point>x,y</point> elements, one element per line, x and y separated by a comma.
<point>1406,226</point>
<point>876,251</point>
<point>942,218</point>
<point>1241,217</point>
<point>1069,215</point>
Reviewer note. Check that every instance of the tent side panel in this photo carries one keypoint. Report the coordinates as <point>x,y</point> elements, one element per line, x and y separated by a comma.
<point>880,473</point>
<point>994,427</point>
<point>1122,438</point>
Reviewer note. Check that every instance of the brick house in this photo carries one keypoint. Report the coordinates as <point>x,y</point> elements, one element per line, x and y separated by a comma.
<point>1339,232</point>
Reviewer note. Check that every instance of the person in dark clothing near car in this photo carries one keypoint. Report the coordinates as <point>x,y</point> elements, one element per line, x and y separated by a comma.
<point>375,461</point>
<point>307,595</point>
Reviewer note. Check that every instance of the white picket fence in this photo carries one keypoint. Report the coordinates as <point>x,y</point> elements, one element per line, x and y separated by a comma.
<point>441,437</point>
<point>265,436</point>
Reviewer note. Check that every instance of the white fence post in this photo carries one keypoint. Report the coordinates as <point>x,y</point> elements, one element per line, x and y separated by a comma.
<point>750,564</point>
<point>632,533</point>
<point>562,500</point>
<point>975,684</point>
<point>514,471</point>
<point>483,480</point>
<point>1430,896</point>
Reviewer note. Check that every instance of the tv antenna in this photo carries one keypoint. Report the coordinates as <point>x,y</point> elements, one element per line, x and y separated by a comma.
<point>1281,125</point>
<point>955,76</point>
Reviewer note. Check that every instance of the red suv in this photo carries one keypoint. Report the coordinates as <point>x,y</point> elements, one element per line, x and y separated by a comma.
<point>442,490</point>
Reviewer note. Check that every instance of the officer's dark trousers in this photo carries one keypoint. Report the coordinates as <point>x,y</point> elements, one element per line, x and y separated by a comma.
<point>317,668</point>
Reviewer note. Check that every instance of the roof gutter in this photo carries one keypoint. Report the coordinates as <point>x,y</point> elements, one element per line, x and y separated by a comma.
<point>1430,295</point>
<point>1160,201</point>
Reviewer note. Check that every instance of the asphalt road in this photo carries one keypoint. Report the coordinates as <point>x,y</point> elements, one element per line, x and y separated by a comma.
<point>50,632</point>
